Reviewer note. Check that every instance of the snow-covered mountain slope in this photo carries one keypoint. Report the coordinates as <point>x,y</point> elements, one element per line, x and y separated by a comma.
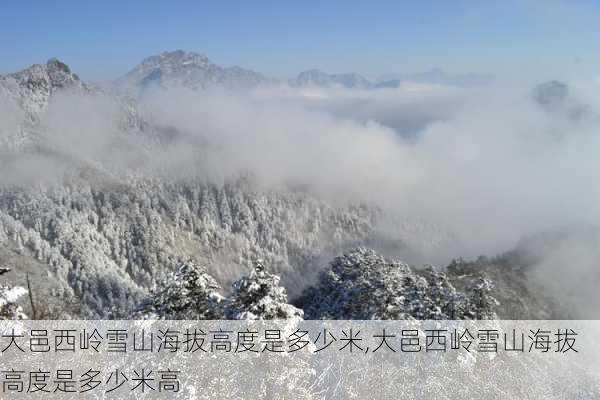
<point>190,70</point>
<point>26,95</point>
<point>108,243</point>
<point>32,88</point>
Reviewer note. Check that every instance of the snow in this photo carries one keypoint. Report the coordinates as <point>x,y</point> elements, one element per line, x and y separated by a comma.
<point>11,295</point>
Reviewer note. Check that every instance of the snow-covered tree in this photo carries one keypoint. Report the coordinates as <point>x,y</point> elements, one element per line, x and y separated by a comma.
<point>9,309</point>
<point>482,302</point>
<point>259,296</point>
<point>417,304</point>
<point>190,293</point>
<point>445,300</point>
<point>364,285</point>
<point>359,285</point>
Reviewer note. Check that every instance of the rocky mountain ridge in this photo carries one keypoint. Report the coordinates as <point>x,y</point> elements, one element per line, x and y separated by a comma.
<point>189,70</point>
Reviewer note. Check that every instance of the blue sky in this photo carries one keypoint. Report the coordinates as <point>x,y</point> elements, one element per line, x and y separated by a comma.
<point>104,39</point>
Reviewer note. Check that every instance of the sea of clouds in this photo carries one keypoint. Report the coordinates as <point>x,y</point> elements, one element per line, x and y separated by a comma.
<point>489,164</point>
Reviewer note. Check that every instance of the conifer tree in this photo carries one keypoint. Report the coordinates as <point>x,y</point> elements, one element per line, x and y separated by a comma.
<point>259,296</point>
<point>190,293</point>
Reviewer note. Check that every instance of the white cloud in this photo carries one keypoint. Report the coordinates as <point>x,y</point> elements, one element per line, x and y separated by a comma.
<point>487,164</point>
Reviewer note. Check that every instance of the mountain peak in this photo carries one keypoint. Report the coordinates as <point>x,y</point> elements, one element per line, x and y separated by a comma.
<point>55,74</point>
<point>57,65</point>
<point>32,87</point>
<point>176,57</point>
<point>191,70</point>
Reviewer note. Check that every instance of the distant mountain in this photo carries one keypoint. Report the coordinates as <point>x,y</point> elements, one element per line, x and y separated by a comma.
<point>191,70</point>
<point>315,77</point>
<point>196,71</point>
<point>436,76</point>
<point>29,92</point>
<point>32,87</point>
<point>25,95</point>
